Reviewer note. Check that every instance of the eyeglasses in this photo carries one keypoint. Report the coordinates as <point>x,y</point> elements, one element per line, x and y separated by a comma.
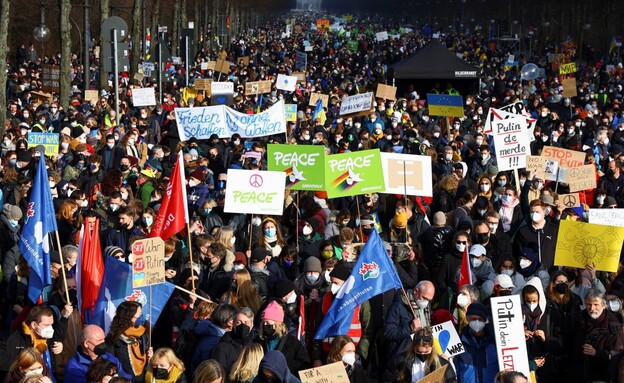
<point>461,242</point>
<point>425,338</point>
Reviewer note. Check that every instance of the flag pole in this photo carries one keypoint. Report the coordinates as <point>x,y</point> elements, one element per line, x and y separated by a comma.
<point>405,185</point>
<point>357,203</point>
<point>250,232</point>
<point>58,243</point>
<point>193,294</point>
<point>188,230</point>
<point>408,301</point>
<point>297,222</point>
<point>150,315</point>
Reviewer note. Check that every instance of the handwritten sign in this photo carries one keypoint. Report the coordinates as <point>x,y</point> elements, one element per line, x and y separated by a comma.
<point>334,373</point>
<point>574,200</point>
<point>51,78</point>
<point>290,112</point>
<point>203,84</point>
<point>580,244</point>
<point>581,178</point>
<point>357,103</point>
<point>567,68</point>
<point>386,92</point>
<point>143,97</point>
<point>148,267</point>
<point>91,95</point>
<point>535,165</point>
<point>446,338</point>
<point>271,121</point>
<point>567,158</point>
<point>511,142</point>
<point>509,334</point>
<point>50,142</point>
<point>257,87</point>
<point>315,96</point>
<point>611,217</point>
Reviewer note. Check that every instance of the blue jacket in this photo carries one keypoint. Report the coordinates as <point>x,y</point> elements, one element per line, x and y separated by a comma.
<point>76,368</point>
<point>208,336</point>
<point>479,362</point>
<point>196,196</point>
<point>275,362</point>
<point>397,328</point>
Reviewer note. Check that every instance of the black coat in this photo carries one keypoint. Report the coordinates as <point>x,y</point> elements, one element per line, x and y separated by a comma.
<point>528,235</point>
<point>227,350</point>
<point>296,355</point>
<point>401,366</point>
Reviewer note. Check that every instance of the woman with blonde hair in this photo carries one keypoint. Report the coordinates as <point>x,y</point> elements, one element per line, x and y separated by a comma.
<point>225,236</point>
<point>165,367</point>
<point>209,371</point>
<point>243,292</point>
<point>245,368</point>
<point>28,362</point>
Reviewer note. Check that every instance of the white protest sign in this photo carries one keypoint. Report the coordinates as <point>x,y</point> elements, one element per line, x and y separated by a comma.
<point>356,103</point>
<point>143,97</point>
<point>407,174</point>
<point>271,121</point>
<point>509,334</point>
<point>609,217</point>
<point>447,338</point>
<point>221,87</point>
<point>254,192</point>
<point>286,83</point>
<point>381,36</point>
<point>511,143</point>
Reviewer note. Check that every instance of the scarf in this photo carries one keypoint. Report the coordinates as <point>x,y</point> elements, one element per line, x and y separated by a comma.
<point>137,357</point>
<point>531,319</point>
<point>272,245</point>
<point>41,344</point>
<point>174,374</point>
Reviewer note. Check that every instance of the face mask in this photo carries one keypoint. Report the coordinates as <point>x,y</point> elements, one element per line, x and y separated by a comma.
<point>100,349</point>
<point>536,217</point>
<point>507,272</point>
<point>460,247</point>
<point>38,371</point>
<point>532,306</point>
<point>242,331</point>
<point>131,141</point>
<point>485,188</point>
<point>47,333</point>
<point>207,211</point>
<point>113,207</point>
<point>349,358</point>
<point>476,262</point>
<point>288,264</point>
<point>110,145</point>
<point>493,228</point>
<point>148,221</point>
<point>436,135</point>
<point>482,211</point>
<point>615,305</point>
<point>476,325</point>
<point>312,278</point>
<point>307,230</point>
<point>448,157</point>
<point>422,303</point>
<point>270,232</point>
<point>479,142</point>
<point>561,288</point>
<point>291,299</point>
<point>524,263</point>
<point>84,203</point>
<point>25,115</point>
<point>462,300</point>
<point>24,132</point>
<point>124,196</point>
<point>192,183</point>
<point>600,200</point>
<point>268,330</point>
<point>335,288</point>
<point>12,162</point>
<point>13,223</point>
<point>160,373</point>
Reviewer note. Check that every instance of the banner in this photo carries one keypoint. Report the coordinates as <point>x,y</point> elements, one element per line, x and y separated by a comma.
<point>221,87</point>
<point>446,339</point>
<point>362,102</point>
<point>143,97</point>
<point>407,174</point>
<point>50,141</point>
<point>257,87</point>
<point>445,105</point>
<point>290,112</point>
<point>386,92</point>
<point>254,192</point>
<point>567,158</point>
<point>271,121</point>
<point>334,372</point>
<point>581,178</point>
<point>611,217</point>
<point>580,244</point>
<point>148,266</point>
<point>353,173</point>
<point>286,83</point>
<point>509,334</point>
<point>303,165</point>
<point>511,143</point>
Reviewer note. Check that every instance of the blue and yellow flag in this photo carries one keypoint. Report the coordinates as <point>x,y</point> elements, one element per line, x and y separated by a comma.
<point>445,105</point>
<point>319,112</point>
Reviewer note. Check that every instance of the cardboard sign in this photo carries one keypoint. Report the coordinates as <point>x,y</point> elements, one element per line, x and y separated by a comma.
<point>567,158</point>
<point>435,377</point>
<point>50,142</point>
<point>357,103</point>
<point>301,76</point>
<point>386,92</point>
<point>303,165</point>
<point>221,87</point>
<point>254,192</point>
<point>353,173</point>
<point>222,66</point>
<point>535,165</point>
<point>203,84</point>
<point>574,200</point>
<point>257,87</point>
<point>91,95</point>
<point>290,112</point>
<point>580,244</point>
<point>567,68</point>
<point>569,87</point>
<point>581,178</point>
<point>381,36</point>
<point>334,373</point>
<point>611,217</point>
<point>509,334</point>
<point>511,143</point>
<point>446,339</point>
<point>51,78</point>
<point>407,174</point>
<point>148,267</point>
<point>324,99</point>
<point>243,61</point>
<point>143,97</point>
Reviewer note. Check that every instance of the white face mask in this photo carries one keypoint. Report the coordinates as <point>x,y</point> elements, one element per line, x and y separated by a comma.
<point>335,288</point>
<point>460,247</point>
<point>448,157</point>
<point>476,325</point>
<point>485,188</point>
<point>47,333</point>
<point>507,272</point>
<point>349,358</point>
<point>326,276</point>
<point>292,298</point>
<point>312,278</point>
<point>84,203</point>
<point>307,230</point>
<point>476,262</point>
<point>524,263</point>
<point>422,303</point>
<point>536,217</point>
<point>192,183</point>
<point>615,305</point>
<point>110,145</point>
<point>493,228</point>
<point>124,196</point>
<point>239,266</point>
<point>532,306</point>
<point>463,300</point>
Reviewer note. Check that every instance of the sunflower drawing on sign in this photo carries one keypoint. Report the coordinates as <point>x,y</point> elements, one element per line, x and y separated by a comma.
<point>580,244</point>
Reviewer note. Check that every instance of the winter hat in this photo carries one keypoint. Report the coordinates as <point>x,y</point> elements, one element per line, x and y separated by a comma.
<point>282,287</point>
<point>439,219</point>
<point>341,272</point>
<point>111,251</point>
<point>478,309</point>
<point>149,173</point>
<point>24,156</point>
<point>198,174</point>
<point>239,257</point>
<point>441,316</point>
<point>273,312</point>
<point>312,264</point>
<point>12,212</point>
<point>610,201</point>
<point>400,219</point>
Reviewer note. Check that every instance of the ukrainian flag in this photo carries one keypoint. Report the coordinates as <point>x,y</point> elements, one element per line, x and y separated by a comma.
<point>445,105</point>
<point>319,112</point>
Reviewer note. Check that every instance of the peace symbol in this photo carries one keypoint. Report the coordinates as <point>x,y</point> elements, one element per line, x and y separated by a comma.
<point>256,180</point>
<point>574,172</point>
<point>569,200</point>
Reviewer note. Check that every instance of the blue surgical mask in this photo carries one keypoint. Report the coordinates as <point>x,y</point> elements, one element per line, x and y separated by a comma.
<point>288,263</point>
<point>270,232</point>
<point>207,211</point>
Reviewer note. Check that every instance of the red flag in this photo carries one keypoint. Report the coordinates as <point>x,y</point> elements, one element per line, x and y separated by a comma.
<point>90,270</point>
<point>173,213</point>
<point>465,275</point>
<point>301,325</point>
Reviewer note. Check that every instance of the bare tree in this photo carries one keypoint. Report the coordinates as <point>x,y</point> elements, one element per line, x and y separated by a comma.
<point>175,33</point>
<point>4,52</point>
<point>104,5</point>
<point>137,10</point>
<point>154,26</point>
<point>66,44</point>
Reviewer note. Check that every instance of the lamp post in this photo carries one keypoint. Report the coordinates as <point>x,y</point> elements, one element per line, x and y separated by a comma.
<point>85,56</point>
<point>41,33</point>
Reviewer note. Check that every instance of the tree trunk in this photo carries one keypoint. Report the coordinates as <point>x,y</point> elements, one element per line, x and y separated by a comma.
<point>66,44</point>
<point>154,28</point>
<point>175,33</point>
<point>4,52</point>
<point>135,54</point>
<point>183,17</point>
<point>199,27</point>
<point>103,16</point>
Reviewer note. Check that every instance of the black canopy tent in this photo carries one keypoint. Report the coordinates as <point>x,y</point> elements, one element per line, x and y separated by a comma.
<point>434,65</point>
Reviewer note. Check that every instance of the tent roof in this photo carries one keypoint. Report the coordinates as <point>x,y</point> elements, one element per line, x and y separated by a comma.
<point>434,62</point>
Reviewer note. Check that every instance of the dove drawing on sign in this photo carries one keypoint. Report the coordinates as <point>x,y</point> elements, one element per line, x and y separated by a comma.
<point>353,177</point>
<point>296,175</point>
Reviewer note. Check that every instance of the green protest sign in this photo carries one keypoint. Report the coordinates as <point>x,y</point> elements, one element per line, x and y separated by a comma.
<point>354,173</point>
<point>303,165</point>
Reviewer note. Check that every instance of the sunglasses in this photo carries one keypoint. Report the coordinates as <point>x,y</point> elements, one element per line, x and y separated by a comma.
<point>425,338</point>
<point>461,242</point>
<point>484,183</point>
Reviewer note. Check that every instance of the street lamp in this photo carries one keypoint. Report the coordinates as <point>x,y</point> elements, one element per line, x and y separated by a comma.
<point>41,33</point>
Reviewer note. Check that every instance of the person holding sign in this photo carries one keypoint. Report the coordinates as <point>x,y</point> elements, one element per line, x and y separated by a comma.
<point>419,361</point>
<point>343,350</point>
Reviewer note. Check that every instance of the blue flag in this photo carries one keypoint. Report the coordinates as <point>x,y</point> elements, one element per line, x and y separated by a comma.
<point>373,274</point>
<point>35,240</point>
<point>117,287</point>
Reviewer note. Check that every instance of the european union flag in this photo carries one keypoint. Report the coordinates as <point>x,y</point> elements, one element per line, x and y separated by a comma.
<point>445,105</point>
<point>373,274</point>
<point>35,240</point>
<point>117,287</point>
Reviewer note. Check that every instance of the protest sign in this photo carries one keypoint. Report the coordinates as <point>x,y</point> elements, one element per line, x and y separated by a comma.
<point>254,192</point>
<point>221,87</point>
<point>386,92</point>
<point>357,103</point>
<point>286,83</point>
<point>301,61</point>
<point>143,97</point>
<point>407,174</point>
<point>511,143</point>
<point>535,165</point>
<point>567,68</point>
<point>580,244</point>
<point>569,87</point>
<point>301,76</point>
<point>322,25</point>
<point>508,324</point>
<point>611,217</point>
<point>201,122</point>
<point>303,165</point>
<point>324,99</point>
<point>574,200</point>
<point>50,142</point>
<point>436,376</point>
<point>381,36</point>
<point>51,78</point>
<point>353,173</point>
<point>271,121</point>
<point>203,84</point>
<point>138,76</point>
<point>148,266</point>
<point>221,66</point>
<point>352,45</point>
<point>581,178</point>
<point>446,340</point>
<point>290,112</point>
<point>257,87</point>
<point>334,373</point>
<point>567,158</point>
<point>445,105</point>
<point>91,95</point>
<point>243,61</point>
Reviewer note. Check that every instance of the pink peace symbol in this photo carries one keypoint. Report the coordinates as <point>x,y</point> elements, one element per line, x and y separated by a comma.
<point>256,180</point>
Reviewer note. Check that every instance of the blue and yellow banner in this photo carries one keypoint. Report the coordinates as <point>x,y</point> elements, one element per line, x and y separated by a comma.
<point>445,105</point>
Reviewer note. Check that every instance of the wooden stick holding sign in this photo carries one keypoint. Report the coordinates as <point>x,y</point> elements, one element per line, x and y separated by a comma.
<point>193,294</point>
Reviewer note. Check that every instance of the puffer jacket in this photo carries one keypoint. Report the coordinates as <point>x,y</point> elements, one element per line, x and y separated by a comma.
<point>479,362</point>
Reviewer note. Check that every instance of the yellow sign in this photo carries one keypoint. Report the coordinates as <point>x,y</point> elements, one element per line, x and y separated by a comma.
<point>580,244</point>
<point>567,68</point>
<point>322,24</point>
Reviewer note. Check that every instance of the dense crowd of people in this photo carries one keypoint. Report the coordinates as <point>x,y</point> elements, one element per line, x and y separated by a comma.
<point>260,286</point>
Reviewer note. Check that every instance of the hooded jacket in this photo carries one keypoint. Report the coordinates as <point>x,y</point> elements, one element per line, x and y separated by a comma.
<point>209,335</point>
<point>275,362</point>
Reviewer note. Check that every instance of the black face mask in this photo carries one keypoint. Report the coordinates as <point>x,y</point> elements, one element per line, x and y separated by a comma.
<point>504,293</point>
<point>160,373</point>
<point>269,331</point>
<point>242,331</point>
<point>124,168</point>
<point>100,349</point>
<point>481,238</point>
<point>561,288</point>
<point>422,357</point>
<point>367,231</point>
<point>206,261</point>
